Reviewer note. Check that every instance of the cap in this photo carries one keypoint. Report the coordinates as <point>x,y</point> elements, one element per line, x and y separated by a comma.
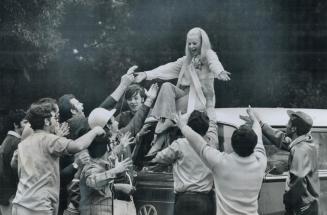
<point>100,117</point>
<point>305,117</point>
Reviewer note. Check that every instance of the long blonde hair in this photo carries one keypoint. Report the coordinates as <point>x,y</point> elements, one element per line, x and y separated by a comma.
<point>205,44</point>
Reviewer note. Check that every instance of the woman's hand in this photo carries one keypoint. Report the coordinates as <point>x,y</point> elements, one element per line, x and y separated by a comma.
<point>131,70</point>
<point>224,76</point>
<point>140,76</point>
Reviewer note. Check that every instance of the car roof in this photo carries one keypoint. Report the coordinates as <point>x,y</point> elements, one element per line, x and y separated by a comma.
<point>273,116</point>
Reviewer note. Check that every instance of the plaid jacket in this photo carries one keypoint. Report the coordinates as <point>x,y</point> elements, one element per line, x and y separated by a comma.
<point>96,183</point>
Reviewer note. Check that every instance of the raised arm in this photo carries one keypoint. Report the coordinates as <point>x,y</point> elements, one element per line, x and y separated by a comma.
<point>208,154</point>
<point>136,124</point>
<point>165,72</point>
<point>114,97</point>
<point>212,133</point>
<point>216,67</point>
<point>84,141</point>
<point>275,136</point>
<point>259,149</point>
<point>169,155</point>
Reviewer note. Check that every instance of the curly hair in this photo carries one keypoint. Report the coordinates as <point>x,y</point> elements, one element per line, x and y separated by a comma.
<point>37,113</point>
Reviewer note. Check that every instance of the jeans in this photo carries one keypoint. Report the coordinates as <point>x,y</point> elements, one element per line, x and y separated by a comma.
<point>313,209</point>
<point>195,203</point>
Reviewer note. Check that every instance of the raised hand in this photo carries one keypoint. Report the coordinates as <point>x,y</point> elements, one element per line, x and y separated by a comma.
<point>152,92</point>
<point>224,76</point>
<point>246,119</point>
<point>145,129</point>
<point>181,120</point>
<point>126,139</point>
<point>131,70</point>
<point>123,166</point>
<point>140,76</point>
<point>128,78</point>
<point>62,129</point>
<point>251,114</point>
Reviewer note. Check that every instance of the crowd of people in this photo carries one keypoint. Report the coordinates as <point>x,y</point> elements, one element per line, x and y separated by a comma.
<point>56,160</point>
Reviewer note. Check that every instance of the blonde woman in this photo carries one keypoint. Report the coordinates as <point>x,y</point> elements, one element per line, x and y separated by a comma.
<point>195,87</point>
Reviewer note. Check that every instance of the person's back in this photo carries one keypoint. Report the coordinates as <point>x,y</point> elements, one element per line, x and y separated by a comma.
<point>39,171</point>
<point>237,176</point>
<point>238,181</point>
<point>193,182</point>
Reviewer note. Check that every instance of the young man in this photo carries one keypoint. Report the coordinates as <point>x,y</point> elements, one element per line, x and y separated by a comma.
<point>193,182</point>
<point>38,161</point>
<point>8,175</point>
<point>135,97</point>
<point>72,111</point>
<point>302,186</point>
<point>237,176</point>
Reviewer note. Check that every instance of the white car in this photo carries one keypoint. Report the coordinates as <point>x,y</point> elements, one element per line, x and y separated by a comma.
<point>154,195</point>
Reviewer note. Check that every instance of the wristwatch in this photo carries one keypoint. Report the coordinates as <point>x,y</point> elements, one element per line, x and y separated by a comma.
<point>75,165</point>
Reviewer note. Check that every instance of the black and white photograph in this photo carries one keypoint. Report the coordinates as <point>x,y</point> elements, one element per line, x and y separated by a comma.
<point>163,107</point>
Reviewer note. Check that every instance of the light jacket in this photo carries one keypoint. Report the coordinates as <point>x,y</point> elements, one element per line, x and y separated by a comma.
<point>201,82</point>
<point>302,185</point>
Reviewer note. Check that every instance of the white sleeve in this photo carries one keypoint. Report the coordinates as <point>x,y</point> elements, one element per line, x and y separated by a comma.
<point>166,72</point>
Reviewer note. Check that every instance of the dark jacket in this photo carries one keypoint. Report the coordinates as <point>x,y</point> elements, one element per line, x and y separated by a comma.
<point>8,176</point>
<point>132,122</point>
<point>78,126</point>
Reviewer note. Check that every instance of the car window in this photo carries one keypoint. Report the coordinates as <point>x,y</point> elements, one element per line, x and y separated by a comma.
<point>224,136</point>
<point>320,136</point>
<point>277,158</point>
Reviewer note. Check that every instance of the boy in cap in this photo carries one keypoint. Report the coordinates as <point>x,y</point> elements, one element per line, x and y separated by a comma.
<point>302,186</point>
<point>97,179</point>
